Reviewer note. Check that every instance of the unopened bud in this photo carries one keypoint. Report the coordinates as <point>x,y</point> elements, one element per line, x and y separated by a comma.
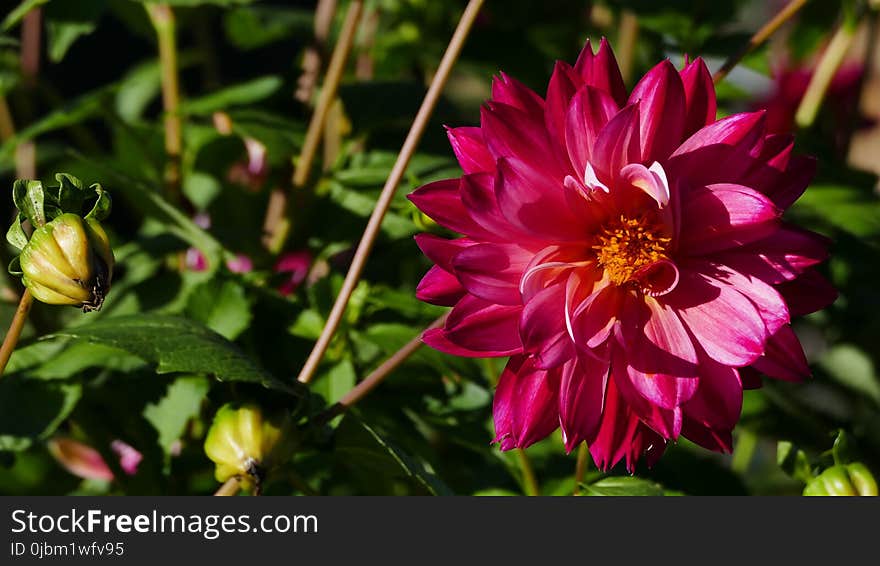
<point>69,262</point>
<point>840,480</point>
<point>242,444</point>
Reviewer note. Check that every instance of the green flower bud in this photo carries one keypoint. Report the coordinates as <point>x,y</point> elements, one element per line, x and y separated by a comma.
<point>851,479</point>
<point>243,444</point>
<point>68,262</point>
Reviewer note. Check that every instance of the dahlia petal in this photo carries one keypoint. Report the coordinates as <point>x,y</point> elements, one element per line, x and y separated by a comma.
<point>717,402</point>
<point>535,203</point>
<point>661,98</point>
<point>665,422</point>
<point>782,256</point>
<point>600,70</point>
<point>492,271</point>
<point>724,216</point>
<point>739,130</point>
<point>508,90</point>
<point>750,378</point>
<point>617,144</point>
<point>511,132</point>
<point>699,93</point>
<point>476,325</point>
<point>542,328</point>
<point>470,149</point>
<point>593,319</point>
<point>548,266</point>
<point>441,200</point>
<point>478,197</point>
<point>652,181</point>
<point>441,250</point>
<point>721,152</point>
<point>622,435</point>
<point>716,440</point>
<point>784,357</point>
<point>723,321</point>
<point>439,287</point>
<point>654,338</point>
<point>564,83</point>
<point>808,293</point>
<point>794,182</point>
<point>589,111</point>
<point>581,396</point>
<point>766,299</point>
<point>525,407</point>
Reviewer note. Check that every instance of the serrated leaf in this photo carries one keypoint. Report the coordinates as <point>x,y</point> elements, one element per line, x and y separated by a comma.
<point>366,451</point>
<point>181,403</point>
<point>177,345</point>
<point>222,306</point>
<point>31,410</point>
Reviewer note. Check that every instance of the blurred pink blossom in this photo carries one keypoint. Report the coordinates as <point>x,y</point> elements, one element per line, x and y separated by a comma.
<point>296,265</point>
<point>85,462</point>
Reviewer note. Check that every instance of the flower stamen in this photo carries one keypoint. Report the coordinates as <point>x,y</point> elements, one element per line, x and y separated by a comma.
<point>625,245</point>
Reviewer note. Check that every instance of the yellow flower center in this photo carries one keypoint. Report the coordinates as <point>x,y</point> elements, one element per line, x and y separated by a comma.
<point>625,245</point>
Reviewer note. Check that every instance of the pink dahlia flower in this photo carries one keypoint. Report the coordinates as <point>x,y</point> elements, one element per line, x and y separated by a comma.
<point>627,252</point>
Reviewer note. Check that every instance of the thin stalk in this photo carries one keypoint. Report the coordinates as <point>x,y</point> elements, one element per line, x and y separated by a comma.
<point>530,482</point>
<point>580,468</point>
<point>31,30</point>
<point>162,17</point>
<point>759,37</point>
<point>828,65</point>
<point>746,443</point>
<point>278,223</point>
<point>372,230</point>
<point>313,57</point>
<point>231,487</point>
<point>378,375</point>
<point>627,38</point>
<point>14,332</point>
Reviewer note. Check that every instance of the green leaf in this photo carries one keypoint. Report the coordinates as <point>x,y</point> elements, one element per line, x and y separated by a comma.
<point>366,451</point>
<point>29,198</point>
<point>626,486</point>
<point>850,209</point>
<point>793,461</point>
<point>15,235</point>
<point>337,381</point>
<point>237,95</point>
<point>177,345</point>
<point>222,306</point>
<point>253,27</point>
<point>181,403</point>
<point>62,35</point>
<point>20,11</point>
<point>31,410</point>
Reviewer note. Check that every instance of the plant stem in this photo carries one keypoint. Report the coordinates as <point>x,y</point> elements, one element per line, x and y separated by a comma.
<point>759,37</point>
<point>378,375</point>
<point>747,442</point>
<point>277,225</point>
<point>580,468</point>
<point>312,59</point>
<point>15,327</point>
<point>375,222</point>
<point>162,17</point>
<point>824,74</point>
<point>627,38</point>
<point>530,482</point>
<point>231,487</point>
<point>31,30</point>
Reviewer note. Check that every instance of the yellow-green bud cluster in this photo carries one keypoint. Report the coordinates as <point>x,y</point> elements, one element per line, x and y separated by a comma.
<point>242,443</point>
<point>68,262</point>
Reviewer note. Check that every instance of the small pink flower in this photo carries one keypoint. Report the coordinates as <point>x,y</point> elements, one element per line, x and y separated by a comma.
<point>129,458</point>
<point>627,251</point>
<point>85,462</point>
<point>240,264</point>
<point>296,266</point>
<point>253,173</point>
